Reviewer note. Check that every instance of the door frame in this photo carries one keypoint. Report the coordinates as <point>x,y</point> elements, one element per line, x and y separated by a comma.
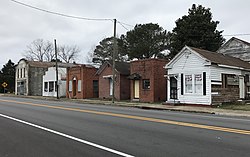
<point>137,92</point>
<point>173,87</point>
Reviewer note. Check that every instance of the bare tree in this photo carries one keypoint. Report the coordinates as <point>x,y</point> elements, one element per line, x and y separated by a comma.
<point>68,53</point>
<point>90,55</point>
<point>49,53</point>
<point>39,50</point>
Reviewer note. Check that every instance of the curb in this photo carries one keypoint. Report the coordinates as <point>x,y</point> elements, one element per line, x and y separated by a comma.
<point>139,106</point>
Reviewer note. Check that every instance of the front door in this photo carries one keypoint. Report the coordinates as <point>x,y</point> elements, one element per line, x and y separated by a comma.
<point>136,89</point>
<point>74,87</point>
<point>173,88</point>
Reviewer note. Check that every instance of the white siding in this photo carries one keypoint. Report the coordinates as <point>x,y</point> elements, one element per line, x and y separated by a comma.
<point>190,63</point>
<point>50,75</point>
<point>217,71</point>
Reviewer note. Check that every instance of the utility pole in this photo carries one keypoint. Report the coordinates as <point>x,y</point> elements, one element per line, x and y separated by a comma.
<point>113,58</point>
<point>57,94</point>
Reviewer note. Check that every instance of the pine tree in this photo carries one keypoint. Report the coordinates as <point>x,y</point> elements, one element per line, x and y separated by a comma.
<point>145,41</point>
<point>197,29</point>
<point>7,74</point>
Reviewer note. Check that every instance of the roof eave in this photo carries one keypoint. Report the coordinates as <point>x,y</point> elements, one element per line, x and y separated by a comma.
<point>232,67</point>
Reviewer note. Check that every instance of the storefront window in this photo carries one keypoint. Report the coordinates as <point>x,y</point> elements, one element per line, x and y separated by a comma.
<point>188,84</point>
<point>197,83</point>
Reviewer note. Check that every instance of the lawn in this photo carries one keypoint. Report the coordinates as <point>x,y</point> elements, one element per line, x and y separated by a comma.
<point>245,107</point>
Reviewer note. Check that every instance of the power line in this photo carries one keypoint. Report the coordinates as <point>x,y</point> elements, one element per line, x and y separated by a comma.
<point>94,19</point>
<point>61,14</point>
<point>236,34</point>
<point>122,25</point>
<point>126,24</point>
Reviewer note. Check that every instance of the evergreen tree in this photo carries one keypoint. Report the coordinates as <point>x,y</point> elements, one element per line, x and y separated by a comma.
<point>7,74</point>
<point>104,51</point>
<point>197,29</point>
<point>145,41</point>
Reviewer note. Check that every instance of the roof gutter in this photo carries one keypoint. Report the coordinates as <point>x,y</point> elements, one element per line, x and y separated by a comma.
<point>232,67</point>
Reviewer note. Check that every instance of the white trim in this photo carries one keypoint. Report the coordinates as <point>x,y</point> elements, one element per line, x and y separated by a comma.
<point>108,77</point>
<point>216,83</point>
<point>232,67</point>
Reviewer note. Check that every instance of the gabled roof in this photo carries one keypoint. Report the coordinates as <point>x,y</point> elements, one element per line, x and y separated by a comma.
<point>218,58</point>
<point>230,40</point>
<point>47,64</point>
<point>122,67</point>
<point>215,58</point>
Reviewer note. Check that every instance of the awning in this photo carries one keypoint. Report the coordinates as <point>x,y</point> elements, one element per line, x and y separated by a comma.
<point>134,76</point>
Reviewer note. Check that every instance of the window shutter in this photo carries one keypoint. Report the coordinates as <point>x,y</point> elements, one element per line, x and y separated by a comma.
<point>182,84</point>
<point>204,83</point>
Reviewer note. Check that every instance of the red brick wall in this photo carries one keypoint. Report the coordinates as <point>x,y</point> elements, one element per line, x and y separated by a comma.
<point>86,75</point>
<point>153,70</point>
<point>125,87</point>
<point>122,89</point>
<point>104,88</point>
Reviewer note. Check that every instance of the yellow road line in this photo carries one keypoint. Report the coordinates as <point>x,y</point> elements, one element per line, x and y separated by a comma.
<point>201,126</point>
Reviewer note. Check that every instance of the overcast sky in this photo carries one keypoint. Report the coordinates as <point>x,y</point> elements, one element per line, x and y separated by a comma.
<point>20,25</point>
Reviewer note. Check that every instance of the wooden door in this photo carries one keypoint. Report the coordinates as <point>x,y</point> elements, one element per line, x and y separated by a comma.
<point>136,89</point>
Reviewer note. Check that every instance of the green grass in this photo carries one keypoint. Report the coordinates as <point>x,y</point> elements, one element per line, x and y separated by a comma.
<point>235,106</point>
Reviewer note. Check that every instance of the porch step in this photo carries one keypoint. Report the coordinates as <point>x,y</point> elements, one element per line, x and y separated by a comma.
<point>172,102</point>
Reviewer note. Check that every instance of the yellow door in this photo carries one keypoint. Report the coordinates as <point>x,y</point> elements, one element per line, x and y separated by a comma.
<point>136,88</point>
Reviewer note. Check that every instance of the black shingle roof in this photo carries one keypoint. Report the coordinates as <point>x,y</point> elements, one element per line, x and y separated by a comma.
<point>219,58</point>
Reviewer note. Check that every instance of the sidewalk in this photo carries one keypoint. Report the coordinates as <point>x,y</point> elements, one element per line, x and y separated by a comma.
<point>151,106</point>
<point>194,109</point>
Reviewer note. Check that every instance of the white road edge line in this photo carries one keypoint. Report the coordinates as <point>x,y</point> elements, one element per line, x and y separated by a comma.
<point>68,136</point>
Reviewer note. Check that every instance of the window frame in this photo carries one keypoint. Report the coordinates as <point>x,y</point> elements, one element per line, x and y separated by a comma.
<point>189,78</point>
<point>70,85</point>
<point>198,83</point>
<point>79,85</point>
<point>46,87</point>
<point>194,84</point>
<point>146,84</point>
<point>51,87</point>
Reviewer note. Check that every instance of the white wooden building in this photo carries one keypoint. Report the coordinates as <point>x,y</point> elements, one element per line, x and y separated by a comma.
<point>236,48</point>
<point>197,76</point>
<point>49,82</point>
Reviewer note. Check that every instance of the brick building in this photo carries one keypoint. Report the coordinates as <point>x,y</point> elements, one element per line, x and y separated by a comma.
<point>122,83</point>
<point>82,82</point>
<point>147,80</point>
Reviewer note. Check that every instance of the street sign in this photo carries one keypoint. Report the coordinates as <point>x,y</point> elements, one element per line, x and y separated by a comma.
<point>4,84</point>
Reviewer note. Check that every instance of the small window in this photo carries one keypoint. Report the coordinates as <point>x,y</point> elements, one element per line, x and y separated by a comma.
<point>24,72</point>
<point>70,86</point>
<point>45,86</point>
<point>146,84</point>
<point>51,86</point>
<point>79,85</point>
<point>17,73</point>
<point>21,75</point>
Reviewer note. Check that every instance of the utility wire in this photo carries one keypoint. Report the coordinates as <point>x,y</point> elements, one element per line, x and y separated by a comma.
<point>94,19</point>
<point>122,25</point>
<point>236,34</point>
<point>61,14</point>
<point>126,24</point>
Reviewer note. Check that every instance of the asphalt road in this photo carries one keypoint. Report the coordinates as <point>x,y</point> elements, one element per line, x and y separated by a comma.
<point>32,128</point>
